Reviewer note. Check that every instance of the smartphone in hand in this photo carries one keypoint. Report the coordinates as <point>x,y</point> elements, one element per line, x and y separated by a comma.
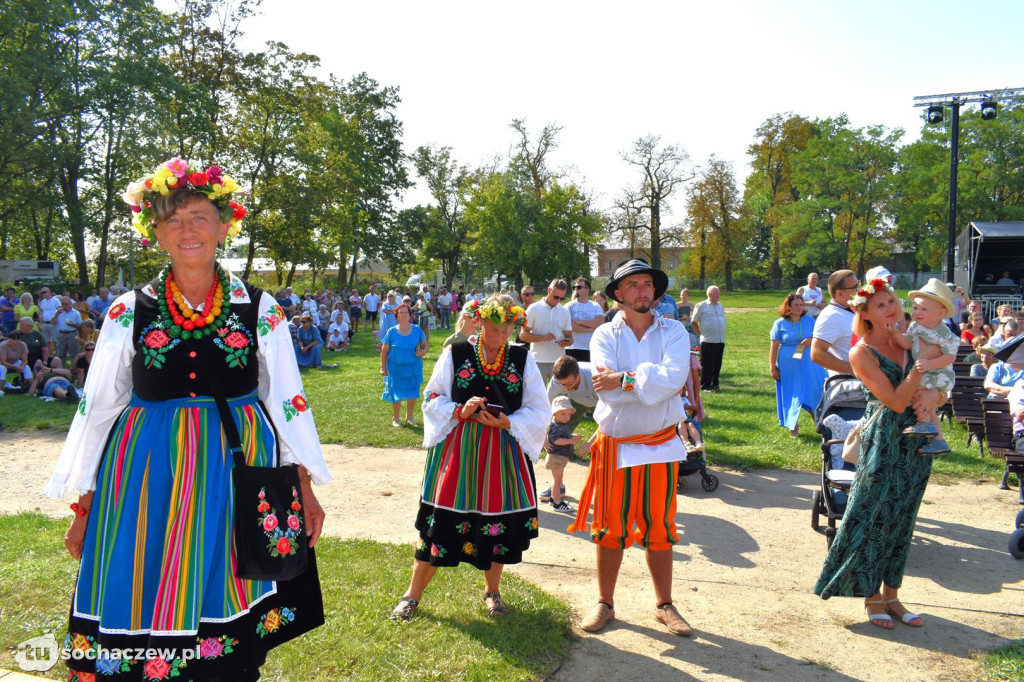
<point>495,410</point>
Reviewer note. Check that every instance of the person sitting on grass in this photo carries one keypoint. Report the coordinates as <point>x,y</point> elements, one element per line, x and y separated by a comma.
<point>562,444</point>
<point>53,382</point>
<point>337,337</point>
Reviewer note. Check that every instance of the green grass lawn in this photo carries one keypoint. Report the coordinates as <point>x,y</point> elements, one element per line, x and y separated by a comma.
<point>451,639</point>
<point>1004,663</point>
<point>741,429</point>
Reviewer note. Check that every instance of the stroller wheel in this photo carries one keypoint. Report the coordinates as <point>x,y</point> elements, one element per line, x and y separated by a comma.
<point>830,535</point>
<point>1017,544</point>
<point>710,483</point>
<point>681,488</point>
<point>1019,522</point>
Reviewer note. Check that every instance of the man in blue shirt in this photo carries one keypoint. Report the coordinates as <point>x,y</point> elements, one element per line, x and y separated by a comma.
<point>667,307</point>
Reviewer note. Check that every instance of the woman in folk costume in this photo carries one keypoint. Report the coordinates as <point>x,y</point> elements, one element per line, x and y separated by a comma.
<point>485,414</point>
<point>147,455</point>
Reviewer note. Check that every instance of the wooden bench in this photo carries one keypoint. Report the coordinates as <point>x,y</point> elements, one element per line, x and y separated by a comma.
<point>999,434</point>
<point>966,399</point>
<point>963,351</point>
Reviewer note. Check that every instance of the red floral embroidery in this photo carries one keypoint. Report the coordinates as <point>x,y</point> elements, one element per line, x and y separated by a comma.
<point>236,340</point>
<point>284,545</point>
<point>116,310</point>
<point>270,523</point>
<point>263,507</point>
<point>157,668</point>
<point>157,338</point>
<point>299,403</point>
<point>210,647</point>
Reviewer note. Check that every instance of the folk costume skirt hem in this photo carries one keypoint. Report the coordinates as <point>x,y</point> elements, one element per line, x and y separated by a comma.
<point>479,501</point>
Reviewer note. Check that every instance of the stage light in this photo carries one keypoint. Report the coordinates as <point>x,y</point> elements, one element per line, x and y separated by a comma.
<point>935,114</point>
<point>988,110</point>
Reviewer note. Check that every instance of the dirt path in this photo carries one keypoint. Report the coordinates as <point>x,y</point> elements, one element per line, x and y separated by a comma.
<point>743,574</point>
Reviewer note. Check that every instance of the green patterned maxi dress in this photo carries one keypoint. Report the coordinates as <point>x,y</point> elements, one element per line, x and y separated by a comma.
<point>873,540</point>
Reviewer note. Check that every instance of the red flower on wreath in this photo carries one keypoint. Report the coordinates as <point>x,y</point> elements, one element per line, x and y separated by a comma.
<point>116,310</point>
<point>238,211</point>
<point>199,179</point>
<point>157,338</point>
<point>157,668</point>
<point>270,523</point>
<point>284,546</point>
<point>299,403</point>
<point>236,340</point>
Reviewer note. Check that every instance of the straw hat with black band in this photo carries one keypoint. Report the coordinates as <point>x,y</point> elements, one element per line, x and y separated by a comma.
<point>937,291</point>
<point>636,266</point>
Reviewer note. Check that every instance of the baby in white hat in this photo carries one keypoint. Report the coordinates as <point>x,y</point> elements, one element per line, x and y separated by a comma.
<point>934,348</point>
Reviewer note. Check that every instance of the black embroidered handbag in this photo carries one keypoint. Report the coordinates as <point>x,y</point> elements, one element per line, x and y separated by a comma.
<point>269,526</point>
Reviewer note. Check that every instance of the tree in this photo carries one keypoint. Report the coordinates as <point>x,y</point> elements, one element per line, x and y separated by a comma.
<point>443,236</point>
<point>713,210</point>
<point>769,187</point>
<point>663,170</point>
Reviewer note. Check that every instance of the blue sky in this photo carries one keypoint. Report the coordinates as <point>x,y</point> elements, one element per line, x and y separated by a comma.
<point>701,75</point>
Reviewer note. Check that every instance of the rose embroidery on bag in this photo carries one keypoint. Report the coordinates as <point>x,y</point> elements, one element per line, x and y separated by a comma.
<point>281,540</point>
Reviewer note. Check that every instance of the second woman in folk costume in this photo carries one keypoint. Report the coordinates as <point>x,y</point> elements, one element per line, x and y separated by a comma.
<point>485,411</point>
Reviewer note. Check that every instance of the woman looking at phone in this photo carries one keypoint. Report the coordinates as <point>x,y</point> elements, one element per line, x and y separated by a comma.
<point>485,412</point>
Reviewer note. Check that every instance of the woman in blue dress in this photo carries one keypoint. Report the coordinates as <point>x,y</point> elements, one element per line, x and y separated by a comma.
<point>798,381</point>
<point>401,364</point>
<point>308,344</point>
<point>387,314</point>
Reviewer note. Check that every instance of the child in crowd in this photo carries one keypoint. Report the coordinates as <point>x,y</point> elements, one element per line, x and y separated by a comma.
<point>934,347</point>
<point>337,338</point>
<point>562,442</point>
<point>688,431</point>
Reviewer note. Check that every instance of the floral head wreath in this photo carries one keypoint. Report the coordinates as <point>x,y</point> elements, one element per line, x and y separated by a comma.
<point>498,314</point>
<point>175,174</point>
<point>870,289</point>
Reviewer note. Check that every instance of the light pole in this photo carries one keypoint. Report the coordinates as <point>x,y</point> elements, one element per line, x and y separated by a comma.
<point>935,103</point>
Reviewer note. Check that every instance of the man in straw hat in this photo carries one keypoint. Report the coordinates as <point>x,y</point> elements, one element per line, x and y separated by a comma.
<point>934,347</point>
<point>640,366</point>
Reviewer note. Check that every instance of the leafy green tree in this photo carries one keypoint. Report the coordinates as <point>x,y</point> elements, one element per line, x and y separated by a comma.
<point>442,234</point>
<point>715,228</point>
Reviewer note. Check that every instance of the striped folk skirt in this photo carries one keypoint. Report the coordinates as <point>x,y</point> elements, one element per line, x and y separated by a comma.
<point>479,499</point>
<point>156,570</point>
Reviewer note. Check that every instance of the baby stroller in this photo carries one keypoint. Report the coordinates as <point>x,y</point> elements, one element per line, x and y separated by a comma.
<point>696,462</point>
<point>843,402</point>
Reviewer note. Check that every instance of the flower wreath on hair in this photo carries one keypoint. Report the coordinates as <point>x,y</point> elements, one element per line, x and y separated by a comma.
<point>175,174</point>
<point>498,314</point>
<point>870,289</point>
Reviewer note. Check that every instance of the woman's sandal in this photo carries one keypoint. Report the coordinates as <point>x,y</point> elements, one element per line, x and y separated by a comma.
<point>882,620</point>
<point>496,606</point>
<point>404,611</point>
<point>907,618</point>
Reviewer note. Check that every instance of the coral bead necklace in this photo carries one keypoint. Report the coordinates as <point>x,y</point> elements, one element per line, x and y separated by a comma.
<point>180,320</point>
<point>490,369</point>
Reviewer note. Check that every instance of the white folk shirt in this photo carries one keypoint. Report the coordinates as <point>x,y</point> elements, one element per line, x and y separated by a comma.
<point>711,318</point>
<point>660,360</point>
<point>543,319</point>
<point>109,387</point>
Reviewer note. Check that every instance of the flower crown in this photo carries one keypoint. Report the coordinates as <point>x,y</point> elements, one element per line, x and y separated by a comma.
<point>498,314</point>
<point>175,174</point>
<point>870,289</point>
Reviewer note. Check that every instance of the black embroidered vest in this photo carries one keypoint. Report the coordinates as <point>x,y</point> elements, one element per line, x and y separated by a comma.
<point>165,368</point>
<point>470,381</point>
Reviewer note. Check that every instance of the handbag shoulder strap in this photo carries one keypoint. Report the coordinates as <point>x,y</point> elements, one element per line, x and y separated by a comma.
<point>227,420</point>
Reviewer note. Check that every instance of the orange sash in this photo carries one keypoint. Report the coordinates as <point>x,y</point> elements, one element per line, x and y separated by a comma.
<point>604,456</point>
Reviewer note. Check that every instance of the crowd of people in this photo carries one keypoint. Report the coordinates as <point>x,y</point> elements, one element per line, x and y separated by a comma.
<point>180,364</point>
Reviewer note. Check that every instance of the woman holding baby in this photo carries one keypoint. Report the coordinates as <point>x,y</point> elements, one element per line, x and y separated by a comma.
<point>869,554</point>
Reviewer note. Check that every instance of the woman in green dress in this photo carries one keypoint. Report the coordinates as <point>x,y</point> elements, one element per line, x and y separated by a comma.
<point>869,554</point>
